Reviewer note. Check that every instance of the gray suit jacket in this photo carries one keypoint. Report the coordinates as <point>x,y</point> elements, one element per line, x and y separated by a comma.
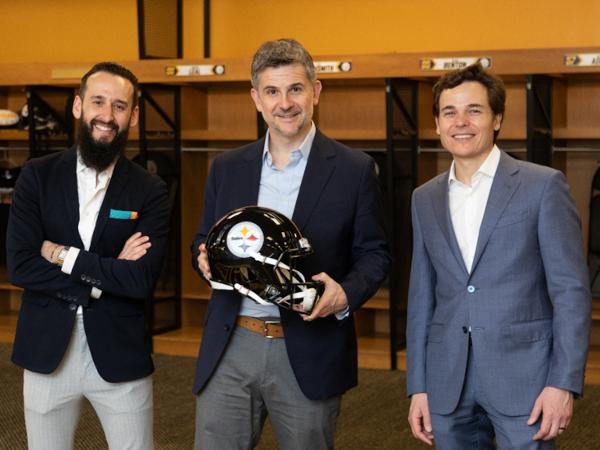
<point>526,300</point>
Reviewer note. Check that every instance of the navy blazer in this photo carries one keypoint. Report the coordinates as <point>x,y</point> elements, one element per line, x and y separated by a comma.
<point>46,207</point>
<point>526,299</point>
<point>339,211</point>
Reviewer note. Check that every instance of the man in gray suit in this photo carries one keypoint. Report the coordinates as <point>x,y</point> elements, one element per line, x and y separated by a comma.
<point>499,301</point>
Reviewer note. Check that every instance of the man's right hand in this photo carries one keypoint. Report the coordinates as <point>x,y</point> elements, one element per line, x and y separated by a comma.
<point>203,262</point>
<point>49,249</point>
<point>135,247</point>
<point>419,418</point>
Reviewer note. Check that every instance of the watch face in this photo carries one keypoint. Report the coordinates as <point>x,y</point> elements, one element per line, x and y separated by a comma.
<point>62,255</point>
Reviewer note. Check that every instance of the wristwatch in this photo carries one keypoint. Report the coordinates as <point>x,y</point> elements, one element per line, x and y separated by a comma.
<point>60,259</point>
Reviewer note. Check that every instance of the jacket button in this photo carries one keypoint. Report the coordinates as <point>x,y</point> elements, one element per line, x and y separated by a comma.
<point>82,277</point>
<point>470,289</point>
<point>465,330</point>
<point>72,306</point>
<point>226,327</point>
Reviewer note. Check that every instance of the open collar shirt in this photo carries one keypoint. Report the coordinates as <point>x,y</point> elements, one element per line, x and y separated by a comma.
<point>467,204</point>
<point>279,190</point>
<point>91,190</point>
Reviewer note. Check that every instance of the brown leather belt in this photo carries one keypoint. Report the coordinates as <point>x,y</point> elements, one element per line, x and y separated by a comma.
<point>266,328</point>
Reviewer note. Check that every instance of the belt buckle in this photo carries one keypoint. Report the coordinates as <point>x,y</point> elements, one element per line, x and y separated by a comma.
<point>266,324</point>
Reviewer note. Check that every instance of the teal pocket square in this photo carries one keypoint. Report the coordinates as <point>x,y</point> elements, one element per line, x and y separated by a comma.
<point>120,214</point>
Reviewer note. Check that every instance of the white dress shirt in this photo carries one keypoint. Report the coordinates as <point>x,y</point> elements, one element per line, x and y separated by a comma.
<point>467,204</point>
<point>91,189</point>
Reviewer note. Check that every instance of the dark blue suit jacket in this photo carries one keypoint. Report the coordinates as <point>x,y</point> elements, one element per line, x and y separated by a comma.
<point>339,211</point>
<point>46,207</point>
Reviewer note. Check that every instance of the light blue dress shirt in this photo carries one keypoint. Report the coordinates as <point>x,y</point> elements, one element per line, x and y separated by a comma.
<point>278,190</point>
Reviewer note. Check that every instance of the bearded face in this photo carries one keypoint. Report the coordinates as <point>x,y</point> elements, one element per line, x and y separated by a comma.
<point>106,110</point>
<point>100,153</point>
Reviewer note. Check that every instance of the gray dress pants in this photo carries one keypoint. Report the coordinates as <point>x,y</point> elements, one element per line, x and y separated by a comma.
<point>254,379</point>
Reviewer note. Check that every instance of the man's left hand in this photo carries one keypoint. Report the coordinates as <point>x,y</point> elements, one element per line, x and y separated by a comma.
<point>135,247</point>
<point>333,299</point>
<point>556,408</point>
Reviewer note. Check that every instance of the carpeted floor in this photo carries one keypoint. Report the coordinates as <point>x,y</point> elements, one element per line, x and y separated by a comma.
<point>373,414</point>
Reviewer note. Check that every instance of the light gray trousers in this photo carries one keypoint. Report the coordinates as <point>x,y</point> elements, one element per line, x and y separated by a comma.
<point>254,379</point>
<point>53,402</point>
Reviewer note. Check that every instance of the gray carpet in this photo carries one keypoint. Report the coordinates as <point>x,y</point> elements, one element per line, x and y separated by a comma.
<point>373,414</point>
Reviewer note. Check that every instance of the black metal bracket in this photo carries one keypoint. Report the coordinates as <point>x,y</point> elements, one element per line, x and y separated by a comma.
<point>172,176</point>
<point>539,119</point>
<point>39,139</point>
<point>171,122</point>
<point>402,145</point>
<point>207,28</point>
<point>142,21</point>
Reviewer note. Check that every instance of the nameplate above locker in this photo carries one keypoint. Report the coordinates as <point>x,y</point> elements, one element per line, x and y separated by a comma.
<point>582,60</point>
<point>333,66</point>
<point>195,70</point>
<point>454,63</point>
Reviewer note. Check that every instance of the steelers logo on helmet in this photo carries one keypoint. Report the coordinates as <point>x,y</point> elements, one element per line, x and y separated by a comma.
<point>245,239</point>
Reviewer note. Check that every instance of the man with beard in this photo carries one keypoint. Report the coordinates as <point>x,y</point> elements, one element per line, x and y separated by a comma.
<point>85,240</point>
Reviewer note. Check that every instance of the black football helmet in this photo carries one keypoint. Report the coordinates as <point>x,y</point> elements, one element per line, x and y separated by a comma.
<point>254,251</point>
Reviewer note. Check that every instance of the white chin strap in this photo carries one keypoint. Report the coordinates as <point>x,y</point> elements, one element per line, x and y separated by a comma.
<point>308,295</point>
<point>241,289</point>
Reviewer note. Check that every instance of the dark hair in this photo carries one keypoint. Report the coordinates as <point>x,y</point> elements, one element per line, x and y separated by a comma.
<point>113,69</point>
<point>281,52</point>
<point>476,73</point>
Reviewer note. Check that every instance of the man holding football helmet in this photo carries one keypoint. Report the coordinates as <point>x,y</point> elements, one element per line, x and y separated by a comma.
<point>287,275</point>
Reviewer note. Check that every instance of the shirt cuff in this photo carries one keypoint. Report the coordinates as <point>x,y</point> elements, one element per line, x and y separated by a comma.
<point>96,293</point>
<point>341,315</point>
<point>69,261</point>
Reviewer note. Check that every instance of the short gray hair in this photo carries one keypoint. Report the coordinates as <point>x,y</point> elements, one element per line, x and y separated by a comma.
<point>281,52</point>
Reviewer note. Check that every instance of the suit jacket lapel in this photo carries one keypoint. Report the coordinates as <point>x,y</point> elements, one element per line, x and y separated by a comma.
<point>504,186</point>
<point>248,174</point>
<point>115,187</point>
<point>69,187</point>
<point>441,210</point>
<point>320,166</point>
